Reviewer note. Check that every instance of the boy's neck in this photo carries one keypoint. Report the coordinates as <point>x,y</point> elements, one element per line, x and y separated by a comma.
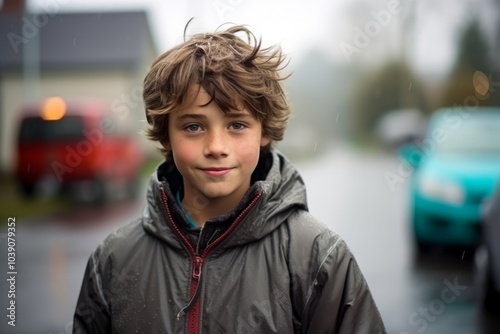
<point>200,208</point>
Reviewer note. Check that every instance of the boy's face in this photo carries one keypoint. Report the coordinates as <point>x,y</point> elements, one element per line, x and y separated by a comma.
<point>215,152</point>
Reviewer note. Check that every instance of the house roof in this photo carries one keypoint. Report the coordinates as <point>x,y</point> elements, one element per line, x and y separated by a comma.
<point>75,40</point>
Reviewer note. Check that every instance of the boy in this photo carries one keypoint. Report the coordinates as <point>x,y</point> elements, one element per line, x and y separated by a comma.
<point>226,244</point>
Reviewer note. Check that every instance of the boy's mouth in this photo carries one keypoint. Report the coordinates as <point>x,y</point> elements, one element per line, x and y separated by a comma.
<point>216,171</point>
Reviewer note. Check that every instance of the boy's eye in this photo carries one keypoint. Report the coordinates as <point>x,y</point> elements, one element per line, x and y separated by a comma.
<point>238,126</point>
<point>192,128</point>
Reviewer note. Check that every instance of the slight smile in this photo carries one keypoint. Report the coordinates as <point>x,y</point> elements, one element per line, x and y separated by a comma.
<point>216,171</point>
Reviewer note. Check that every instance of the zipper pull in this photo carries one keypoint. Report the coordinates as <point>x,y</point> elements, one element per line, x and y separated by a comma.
<point>198,263</point>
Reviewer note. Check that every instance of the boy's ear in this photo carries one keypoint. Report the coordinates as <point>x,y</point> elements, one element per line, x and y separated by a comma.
<point>264,140</point>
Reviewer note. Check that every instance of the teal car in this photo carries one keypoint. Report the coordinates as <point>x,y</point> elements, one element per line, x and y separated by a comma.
<point>455,170</point>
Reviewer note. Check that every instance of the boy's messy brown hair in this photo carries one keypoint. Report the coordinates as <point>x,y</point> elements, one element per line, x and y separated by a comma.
<point>233,72</point>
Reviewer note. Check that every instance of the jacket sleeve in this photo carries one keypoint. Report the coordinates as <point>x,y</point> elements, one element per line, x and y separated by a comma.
<point>92,314</point>
<point>340,301</point>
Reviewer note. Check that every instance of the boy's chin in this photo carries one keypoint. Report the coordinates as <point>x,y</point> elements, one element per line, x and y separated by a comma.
<point>216,192</point>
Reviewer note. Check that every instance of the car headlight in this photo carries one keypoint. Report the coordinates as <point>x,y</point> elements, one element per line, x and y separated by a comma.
<point>448,192</point>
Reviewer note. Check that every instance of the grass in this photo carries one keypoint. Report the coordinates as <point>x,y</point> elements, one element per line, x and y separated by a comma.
<point>14,205</point>
<point>149,167</point>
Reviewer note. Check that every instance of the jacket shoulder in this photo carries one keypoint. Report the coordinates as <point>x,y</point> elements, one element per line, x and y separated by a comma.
<point>121,242</point>
<point>312,246</point>
<point>104,277</point>
<point>328,289</point>
<point>314,249</point>
<point>307,230</point>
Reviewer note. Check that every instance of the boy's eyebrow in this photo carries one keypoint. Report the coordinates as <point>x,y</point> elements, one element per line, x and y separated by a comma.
<point>238,114</point>
<point>202,116</point>
<point>187,116</point>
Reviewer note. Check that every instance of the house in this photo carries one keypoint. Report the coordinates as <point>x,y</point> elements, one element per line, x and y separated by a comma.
<point>101,55</point>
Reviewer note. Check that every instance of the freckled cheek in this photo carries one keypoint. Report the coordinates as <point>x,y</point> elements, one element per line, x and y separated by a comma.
<point>249,152</point>
<point>184,153</point>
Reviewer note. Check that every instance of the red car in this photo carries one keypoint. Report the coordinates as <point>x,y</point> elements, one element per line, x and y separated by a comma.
<point>77,146</point>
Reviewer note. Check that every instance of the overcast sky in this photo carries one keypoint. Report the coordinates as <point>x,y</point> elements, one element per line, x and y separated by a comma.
<point>300,24</point>
<point>296,24</point>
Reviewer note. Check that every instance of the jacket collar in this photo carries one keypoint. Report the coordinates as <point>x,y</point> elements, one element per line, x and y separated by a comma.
<point>275,181</point>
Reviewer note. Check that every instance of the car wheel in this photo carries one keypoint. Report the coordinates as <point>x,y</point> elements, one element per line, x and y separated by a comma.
<point>491,302</point>
<point>102,191</point>
<point>28,190</point>
<point>487,296</point>
<point>423,247</point>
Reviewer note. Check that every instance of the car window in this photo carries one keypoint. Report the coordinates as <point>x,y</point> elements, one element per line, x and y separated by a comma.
<point>38,129</point>
<point>472,136</point>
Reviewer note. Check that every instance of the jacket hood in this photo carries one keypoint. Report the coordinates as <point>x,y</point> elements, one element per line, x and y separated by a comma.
<point>277,190</point>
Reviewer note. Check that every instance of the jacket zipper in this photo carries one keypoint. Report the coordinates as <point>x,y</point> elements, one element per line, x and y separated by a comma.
<point>193,307</point>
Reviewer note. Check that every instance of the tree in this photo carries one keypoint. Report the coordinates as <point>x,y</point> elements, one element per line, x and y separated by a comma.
<point>471,80</point>
<point>473,49</point>
<point>393,86</point>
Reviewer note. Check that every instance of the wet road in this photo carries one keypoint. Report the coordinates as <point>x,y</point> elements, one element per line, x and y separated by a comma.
<point>346,190</point>
<point>435,295</point>
<point>51,256</point>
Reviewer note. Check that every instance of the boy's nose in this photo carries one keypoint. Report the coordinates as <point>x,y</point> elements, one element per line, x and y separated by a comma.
<point>216,145</point>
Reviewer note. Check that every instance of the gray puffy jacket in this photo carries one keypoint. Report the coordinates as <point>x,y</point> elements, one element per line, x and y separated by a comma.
<point>266,267</point>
